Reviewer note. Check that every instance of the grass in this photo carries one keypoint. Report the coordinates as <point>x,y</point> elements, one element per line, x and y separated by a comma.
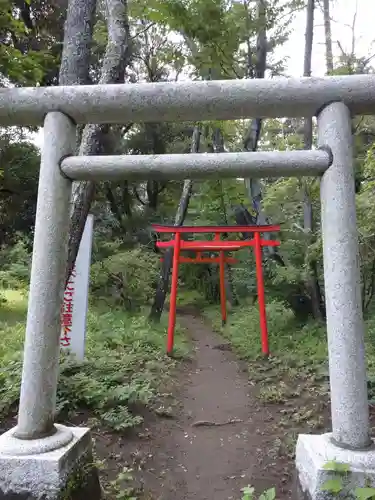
<point>295,349</point>
<point>294,381</point>
<point>124,369</point>
<point>192,298</point>
<point>125,374</point>
<point>295,377</point>
<point>13,307</point>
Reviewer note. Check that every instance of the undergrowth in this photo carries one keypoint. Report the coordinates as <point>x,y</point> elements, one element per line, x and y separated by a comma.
<point>286,337</point>
<point>124,368</point>
<point>296,350</point>
<point>295,375</point>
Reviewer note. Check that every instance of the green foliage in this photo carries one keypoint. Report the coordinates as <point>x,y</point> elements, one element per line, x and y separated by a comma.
<point>338,467</point>
<point>23,70</point>
<point>189,298</point>
<point>366,228</point>
<point>268,494</point>
<point>249,494</point>
<point>214,201</point>
<point>14,265</point>
<point>293,346</point>
<point>121,487</point>
<point>340,485</point>
<point>27,53</point>
<point>244,275</point>
<point>19,173</point>
<point>126,278</point>
<point>12,326</point>
<point>190,16</point>
<point>243,329</point>
<point>125,365</point>
<point>217,47</point>
<point>365,493</point>
<point>333,486</point>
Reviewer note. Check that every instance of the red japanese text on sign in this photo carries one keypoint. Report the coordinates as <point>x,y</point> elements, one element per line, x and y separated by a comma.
<point>67,311</point>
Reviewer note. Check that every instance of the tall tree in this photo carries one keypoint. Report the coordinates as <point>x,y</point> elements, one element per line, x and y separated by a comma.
<point>218,147</point>
<point>251,139</point>
<point>328,36</point>
<point>206,72</point>
<point>163,282</point>
<point>312,283</point>
<point>77,39</point>
<point>78,30</point>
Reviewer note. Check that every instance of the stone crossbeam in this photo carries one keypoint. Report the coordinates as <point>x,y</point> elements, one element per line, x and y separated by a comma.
<point>188,101</point>
<point>197,166</point>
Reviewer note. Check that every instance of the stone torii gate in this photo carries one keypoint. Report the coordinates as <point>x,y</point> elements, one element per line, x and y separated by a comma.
<point>38,457</point>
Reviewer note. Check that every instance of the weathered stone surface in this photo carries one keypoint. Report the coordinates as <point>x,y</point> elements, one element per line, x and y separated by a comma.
<point>186,100</point>
<point>313,452</point>
<point>66,473</point>
<point>342,283</point>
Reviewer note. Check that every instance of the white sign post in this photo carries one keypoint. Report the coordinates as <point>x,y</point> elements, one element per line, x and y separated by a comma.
<point>75,304</point>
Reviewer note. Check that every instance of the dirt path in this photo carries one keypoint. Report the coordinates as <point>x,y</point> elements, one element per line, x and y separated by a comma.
<point>217,438</point>
<point>220,440</point>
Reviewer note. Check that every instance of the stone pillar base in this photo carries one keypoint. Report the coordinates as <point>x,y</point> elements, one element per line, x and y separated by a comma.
<point>313,452</point>
<point>65,473</point>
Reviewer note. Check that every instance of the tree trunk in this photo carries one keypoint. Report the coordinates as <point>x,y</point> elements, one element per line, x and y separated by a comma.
<point>116,58</point>
<point>210,73</point>
<point>218,147</point>
<point>230,291</point>
<point>312,283</point>
<point>163,283</point>
<point>328,36</point>
<point>78,29</point>
<point>252,135</point>
<point>76,53</point>
<point>250,143</point>
<point>309,37</point>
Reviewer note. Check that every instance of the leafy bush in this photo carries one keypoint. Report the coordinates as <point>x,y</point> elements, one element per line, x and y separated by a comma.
<point>186,297</point>
<point>125,366</point>
<point>244,275</point>
<point>126,278</point>
<point>15,266</point>
<point>202,279</point>
<point>12,326</point>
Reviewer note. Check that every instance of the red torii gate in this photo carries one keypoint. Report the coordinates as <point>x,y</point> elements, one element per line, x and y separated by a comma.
<point>220,246</point>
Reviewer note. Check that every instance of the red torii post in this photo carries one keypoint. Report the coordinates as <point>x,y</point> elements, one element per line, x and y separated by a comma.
<point>220,246</point>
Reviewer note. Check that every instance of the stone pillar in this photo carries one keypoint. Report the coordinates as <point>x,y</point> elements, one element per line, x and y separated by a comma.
<point>345,328</point>
<point>39,459</point>
<point>41,353</point>
<point>349,441</point>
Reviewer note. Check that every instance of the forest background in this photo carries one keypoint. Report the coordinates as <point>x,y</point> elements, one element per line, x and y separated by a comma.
<point>115,41</point>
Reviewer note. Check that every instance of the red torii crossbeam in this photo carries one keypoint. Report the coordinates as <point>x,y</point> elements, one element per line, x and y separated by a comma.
<point>220,246</point>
